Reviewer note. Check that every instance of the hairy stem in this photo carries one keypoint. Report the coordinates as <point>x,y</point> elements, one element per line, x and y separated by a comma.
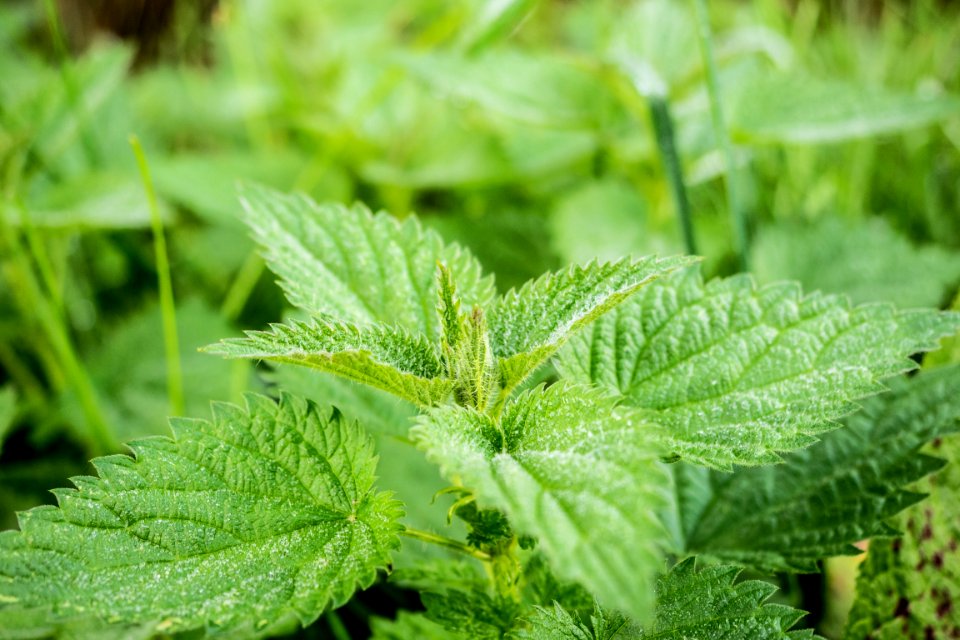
<point>443,541</point>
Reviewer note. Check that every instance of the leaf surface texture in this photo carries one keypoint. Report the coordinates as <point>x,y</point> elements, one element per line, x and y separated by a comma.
<point>734,373</point>
<point>263,514</point>
<point>570,469</point>
<point>352,265</point>
<point>380,356</point>
<point>829,496</point>
<point>528,325</point>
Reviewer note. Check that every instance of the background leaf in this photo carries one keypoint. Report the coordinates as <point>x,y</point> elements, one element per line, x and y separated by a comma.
<point>129,370</point>
<point>866,260</point>
<point>796,109</point>
<point>827,497</point>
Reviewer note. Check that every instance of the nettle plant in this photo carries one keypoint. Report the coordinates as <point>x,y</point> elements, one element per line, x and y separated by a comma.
<point>683,419</point>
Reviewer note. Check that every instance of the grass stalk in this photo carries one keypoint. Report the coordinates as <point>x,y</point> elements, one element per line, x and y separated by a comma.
<point>42,260</point>
<point>738,216</point>
<point>242,286</point>
<point>36,304</point>
<point>168,310</point>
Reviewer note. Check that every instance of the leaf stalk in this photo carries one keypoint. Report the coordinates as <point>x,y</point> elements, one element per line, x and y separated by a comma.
<point>443,541</point>
<point>165,284</point>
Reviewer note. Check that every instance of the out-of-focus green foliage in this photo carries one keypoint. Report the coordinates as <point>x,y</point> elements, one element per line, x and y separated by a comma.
<point>867,260</point>
<point>519,129</point>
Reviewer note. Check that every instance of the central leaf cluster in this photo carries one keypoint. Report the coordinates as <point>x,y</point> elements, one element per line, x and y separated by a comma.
<point>712,375</point>
<point>393,307</point>
<point>718,374</point>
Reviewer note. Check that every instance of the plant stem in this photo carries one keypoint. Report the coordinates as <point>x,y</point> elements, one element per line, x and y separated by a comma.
<point>337,628</point>
<point>666,143</point>
<point>167,306</point>
<point>432,538</point>
<point>734,203</point>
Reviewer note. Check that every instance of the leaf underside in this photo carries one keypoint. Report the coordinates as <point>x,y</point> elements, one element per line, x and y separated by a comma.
<point>829,496</point>
<point>355,266</point>
<point>734,373</point>
<point>382,357</point>
<point>571,470</point>
<point>179,537</point>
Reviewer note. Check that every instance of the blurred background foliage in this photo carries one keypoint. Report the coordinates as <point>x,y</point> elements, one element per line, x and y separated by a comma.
<point>536,133</point>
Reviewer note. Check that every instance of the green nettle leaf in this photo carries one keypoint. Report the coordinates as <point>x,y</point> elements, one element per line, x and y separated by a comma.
<point>691,605</point>
<point>910,587</point>
<point>570,469</point>
<point>264,514</point>
<point>557,623</point>
<point>380,356</point>
<point>734,373</point>
<point>529,325</point>
<point>707,604</point>
<point>351,265</point>
<point>474,614</point>
<point>825,498</point>
<point>386,319</point>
